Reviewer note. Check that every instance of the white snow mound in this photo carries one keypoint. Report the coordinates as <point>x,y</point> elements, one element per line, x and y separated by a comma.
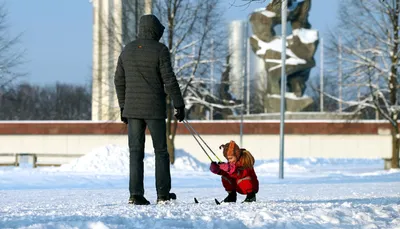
<point>113,159</point>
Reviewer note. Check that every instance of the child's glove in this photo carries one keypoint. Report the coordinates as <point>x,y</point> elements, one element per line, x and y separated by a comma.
<point>214,167</point>
<point>228,167</point>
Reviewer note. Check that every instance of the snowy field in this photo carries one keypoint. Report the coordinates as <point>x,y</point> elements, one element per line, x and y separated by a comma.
<point>92,192</point>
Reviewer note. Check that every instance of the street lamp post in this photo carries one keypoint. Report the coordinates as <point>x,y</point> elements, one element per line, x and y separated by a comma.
<point>283,87</point>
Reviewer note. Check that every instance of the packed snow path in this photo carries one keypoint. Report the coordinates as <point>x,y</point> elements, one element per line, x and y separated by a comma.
<point>92,192</point>
<point>358,205</point>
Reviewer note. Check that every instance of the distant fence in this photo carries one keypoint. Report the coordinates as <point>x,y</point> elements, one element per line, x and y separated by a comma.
<point>14,159</point>
<point>327,139</point>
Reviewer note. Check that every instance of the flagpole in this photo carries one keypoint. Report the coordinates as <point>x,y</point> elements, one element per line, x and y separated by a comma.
<point>283,88</point>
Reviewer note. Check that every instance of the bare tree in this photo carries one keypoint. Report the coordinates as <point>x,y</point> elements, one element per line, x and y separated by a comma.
<point>193,36</point>
<point>10,57</point>
<point>367,48</point>
<point>330,87</point>
<point>25,101</point>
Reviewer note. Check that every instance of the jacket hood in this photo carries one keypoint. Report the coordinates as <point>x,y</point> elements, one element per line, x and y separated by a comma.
<point>231,149</point>
<point>150,27</point>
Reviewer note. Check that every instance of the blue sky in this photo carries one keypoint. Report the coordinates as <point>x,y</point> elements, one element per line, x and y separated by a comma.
<point>57,34</point>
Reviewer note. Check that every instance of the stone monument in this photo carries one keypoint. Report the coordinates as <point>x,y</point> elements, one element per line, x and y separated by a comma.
<point>301,46</point>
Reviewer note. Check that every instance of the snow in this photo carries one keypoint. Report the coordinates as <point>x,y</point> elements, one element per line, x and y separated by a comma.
<point>273,14</point>
<point>92,192</point>
<point>113,159</point>
<point>276,45</point>
<point>307,36</point>
<point>294,60</point>
<point>289,95</point>
<point>268,13</point>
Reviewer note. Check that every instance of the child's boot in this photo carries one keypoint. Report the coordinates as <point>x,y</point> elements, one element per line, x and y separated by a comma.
<point>231,197</point>
<point>251,197</point>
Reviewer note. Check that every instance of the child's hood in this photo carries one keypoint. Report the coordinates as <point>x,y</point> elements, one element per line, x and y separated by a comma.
<point>231,149</point>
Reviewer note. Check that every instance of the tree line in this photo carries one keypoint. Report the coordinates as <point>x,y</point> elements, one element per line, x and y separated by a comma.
<point>60,101</point>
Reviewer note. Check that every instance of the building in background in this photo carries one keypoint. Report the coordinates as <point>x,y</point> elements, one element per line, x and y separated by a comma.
<point>247,76</point>
<point>258,83</point>
<point>238,34</point>
<point>115,23</point>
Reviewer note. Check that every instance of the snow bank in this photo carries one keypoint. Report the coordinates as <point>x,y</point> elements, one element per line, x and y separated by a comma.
<point>113,159</point>
<point>324,167</point>
<point>273,166</point>
<point>108,159</point>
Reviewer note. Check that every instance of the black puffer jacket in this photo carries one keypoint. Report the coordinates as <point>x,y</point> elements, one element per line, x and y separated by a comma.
<point>143,71</point>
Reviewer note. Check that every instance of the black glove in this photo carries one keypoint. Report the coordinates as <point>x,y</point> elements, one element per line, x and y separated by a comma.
<point>180,113</point>
<point>123,119</point>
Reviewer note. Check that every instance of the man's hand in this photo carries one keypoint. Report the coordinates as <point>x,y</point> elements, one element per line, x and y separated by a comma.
<point>123,119</point>
<point>180,113</point>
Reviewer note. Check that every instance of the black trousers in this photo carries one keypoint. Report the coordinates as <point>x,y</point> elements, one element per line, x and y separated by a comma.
<point>136,136</point>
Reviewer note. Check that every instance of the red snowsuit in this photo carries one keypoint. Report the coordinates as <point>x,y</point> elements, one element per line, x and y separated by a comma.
<point>240,180</point>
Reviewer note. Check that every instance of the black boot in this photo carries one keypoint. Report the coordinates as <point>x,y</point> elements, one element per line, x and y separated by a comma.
<point>251,197</point>
<point>138,200</point>
<point>171,196</point>
<point>231,197</point>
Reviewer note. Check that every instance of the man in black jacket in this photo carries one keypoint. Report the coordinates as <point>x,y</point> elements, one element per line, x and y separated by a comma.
<point>143,75</point>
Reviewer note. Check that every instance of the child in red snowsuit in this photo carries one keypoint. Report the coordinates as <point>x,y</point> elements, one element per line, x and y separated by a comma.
<point>238,174</point>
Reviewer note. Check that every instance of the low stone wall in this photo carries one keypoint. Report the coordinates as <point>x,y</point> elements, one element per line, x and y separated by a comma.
<point>326,139</point>
<point>267,127</point>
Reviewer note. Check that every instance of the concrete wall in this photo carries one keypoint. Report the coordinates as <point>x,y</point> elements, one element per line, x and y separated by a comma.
<point>327,139</point>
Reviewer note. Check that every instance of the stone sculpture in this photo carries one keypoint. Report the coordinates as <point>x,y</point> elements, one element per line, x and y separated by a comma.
<point>301,46</point>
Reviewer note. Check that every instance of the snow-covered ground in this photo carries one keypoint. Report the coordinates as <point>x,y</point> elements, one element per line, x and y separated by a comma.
<point>92,192</point>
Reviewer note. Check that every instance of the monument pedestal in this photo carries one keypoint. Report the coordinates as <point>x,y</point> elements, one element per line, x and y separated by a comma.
<point>298,116</point>
<point>272,103</point>
<point>297,108</point>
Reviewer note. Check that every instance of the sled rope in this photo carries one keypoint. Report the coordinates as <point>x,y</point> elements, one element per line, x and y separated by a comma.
<point>193,132</point>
